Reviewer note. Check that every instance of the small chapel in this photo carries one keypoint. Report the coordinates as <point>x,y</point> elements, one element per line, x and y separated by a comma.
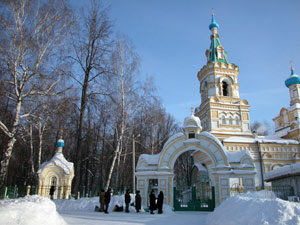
<point>228,158</point>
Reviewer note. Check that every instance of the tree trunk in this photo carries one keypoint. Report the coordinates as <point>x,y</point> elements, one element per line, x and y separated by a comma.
<point>11,141</point>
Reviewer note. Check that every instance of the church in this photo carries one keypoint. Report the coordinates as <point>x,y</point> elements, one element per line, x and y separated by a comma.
<point>228,158</point>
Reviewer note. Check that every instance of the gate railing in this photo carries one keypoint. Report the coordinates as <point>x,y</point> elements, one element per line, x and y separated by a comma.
<point>191,200</point>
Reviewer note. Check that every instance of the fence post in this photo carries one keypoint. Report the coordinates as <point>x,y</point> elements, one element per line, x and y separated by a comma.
<point>28,190</point>
<point>15,191</point>
<point>5,193</point>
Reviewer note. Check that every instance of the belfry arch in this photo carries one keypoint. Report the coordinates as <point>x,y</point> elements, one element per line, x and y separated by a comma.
<point>157,171</point>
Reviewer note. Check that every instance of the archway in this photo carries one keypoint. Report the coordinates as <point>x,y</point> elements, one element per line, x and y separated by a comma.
<point>208,152</point>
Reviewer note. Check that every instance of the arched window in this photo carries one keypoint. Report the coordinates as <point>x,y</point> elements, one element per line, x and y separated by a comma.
<point>230,120</point>
<point>223,120</point>
<point>225,89</point>
<point>237,121</point>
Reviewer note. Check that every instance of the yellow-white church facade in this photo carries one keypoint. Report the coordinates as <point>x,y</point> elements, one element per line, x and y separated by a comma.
<point>219,134</point>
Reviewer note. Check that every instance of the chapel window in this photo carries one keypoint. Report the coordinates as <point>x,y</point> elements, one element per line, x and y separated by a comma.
<point>230,120</point>
<point>191,135</point>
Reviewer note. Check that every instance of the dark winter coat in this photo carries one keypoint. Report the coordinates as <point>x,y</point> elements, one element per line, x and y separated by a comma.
<point>152,201</point>
<point>102,197</point>
<point>127,197</point>
<point>160,200</point>
<point>107,197</point>
<point>52,190</point>
<point>138,201</point>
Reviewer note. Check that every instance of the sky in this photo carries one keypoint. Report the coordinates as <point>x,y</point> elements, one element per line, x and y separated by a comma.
<point>171,36</point>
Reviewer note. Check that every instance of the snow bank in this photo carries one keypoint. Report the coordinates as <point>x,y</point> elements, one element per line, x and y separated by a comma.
<point>255,208</point>
<point>31,210</point>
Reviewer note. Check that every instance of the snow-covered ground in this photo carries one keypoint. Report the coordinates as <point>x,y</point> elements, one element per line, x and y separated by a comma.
<point>251,208</point>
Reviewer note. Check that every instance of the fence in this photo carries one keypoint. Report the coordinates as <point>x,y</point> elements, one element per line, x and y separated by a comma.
<point>15,191</point>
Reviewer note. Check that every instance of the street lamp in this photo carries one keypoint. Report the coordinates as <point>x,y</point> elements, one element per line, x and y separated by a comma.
<point>133,161</point>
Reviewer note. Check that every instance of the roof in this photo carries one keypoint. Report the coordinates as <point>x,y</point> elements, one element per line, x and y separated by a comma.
<point>293,79</point>
<point>260,139</point>
<point>282,172</point>
<point>59,160</point>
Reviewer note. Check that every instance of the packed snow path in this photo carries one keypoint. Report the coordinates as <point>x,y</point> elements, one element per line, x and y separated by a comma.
<point>122,218</point>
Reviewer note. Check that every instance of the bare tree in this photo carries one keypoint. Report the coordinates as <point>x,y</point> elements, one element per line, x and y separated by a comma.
<point>31,32</point>
<point>91,42</point>
<point>122,94</point>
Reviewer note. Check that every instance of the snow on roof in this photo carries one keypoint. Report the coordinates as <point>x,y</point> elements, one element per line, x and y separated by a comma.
<point>282,172</point>
<point>150,159</point>
<point>200,167</point>
<point>282,132</point>
<point>231,156</point>
<point>193,121</point>
<point>237,156</point>
<point>59,160</point>
<point>260,139</point>
<point>147,173</point>
<point>173,137</point>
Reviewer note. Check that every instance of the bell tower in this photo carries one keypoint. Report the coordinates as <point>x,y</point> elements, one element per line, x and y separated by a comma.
<point>221,112</point>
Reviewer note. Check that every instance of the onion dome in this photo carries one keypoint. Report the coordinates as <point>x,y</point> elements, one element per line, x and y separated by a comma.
<point>213,22</point>
<point>293,79</point>
<point>192,121</point>
<point>60,143</point>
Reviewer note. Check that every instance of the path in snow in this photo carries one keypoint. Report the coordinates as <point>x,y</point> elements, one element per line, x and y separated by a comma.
<point>122,218</point>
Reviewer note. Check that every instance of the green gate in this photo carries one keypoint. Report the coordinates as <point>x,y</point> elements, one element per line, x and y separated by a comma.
<point>194,198</point>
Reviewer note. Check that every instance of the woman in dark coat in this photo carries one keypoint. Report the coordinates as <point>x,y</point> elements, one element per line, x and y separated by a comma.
<point>160,201</point>
<point>138,201</point>
<point>152,202</point>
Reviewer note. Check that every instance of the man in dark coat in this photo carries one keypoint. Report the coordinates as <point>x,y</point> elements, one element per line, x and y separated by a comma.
<point>138,201</point>
<point>107,199</point>
<point>160,201</point>
<point>127,200</point>
<point>152,202</point>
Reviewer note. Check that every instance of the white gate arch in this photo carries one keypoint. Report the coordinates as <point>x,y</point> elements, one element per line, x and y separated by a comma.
<point>157,171</point>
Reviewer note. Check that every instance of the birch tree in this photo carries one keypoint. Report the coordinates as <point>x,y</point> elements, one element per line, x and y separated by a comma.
<point>31,33</point>
<point>122,95</point>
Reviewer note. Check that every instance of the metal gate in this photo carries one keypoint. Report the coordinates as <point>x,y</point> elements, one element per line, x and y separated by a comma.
<point>197,198</point>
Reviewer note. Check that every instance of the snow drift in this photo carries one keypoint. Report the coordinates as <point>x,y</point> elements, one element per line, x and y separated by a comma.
<point>255,208</point>
<point>28,211</point>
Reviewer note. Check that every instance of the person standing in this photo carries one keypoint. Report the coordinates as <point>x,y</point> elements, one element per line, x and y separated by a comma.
<point>138,201</point>
<point>52,190</point>
<point>127,200</point>
<point>102,200</point>
<point>152,201</point>
<point>107,199</point>
<point>160,201</point>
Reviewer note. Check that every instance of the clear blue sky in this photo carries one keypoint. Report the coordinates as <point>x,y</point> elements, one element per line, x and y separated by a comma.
<point>171,36</point>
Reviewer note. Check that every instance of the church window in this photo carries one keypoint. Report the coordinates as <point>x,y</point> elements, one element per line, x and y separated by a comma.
<point>237,121</point>
<point>223,120</point>
<point>295,92</point>
<point>230,120</point>
<point>220,53</point>
<point>225,88</point>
